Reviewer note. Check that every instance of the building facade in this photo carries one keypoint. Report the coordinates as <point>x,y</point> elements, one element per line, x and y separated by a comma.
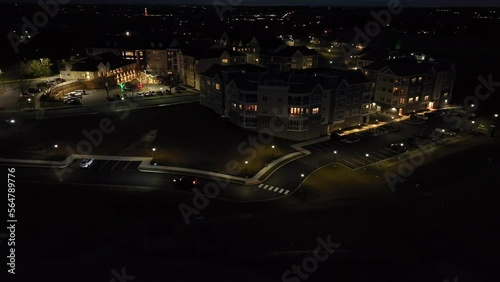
<point>298,105</point>
<point>406,86</point>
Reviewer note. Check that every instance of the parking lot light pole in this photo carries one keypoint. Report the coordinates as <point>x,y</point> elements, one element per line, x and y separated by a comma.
<point>246,169</point>
<point>123,103</point>
<point>301,182</point>
<point>154,156</point>
<point>334,158</point>
<point>57,149</point>
<point>366,160</point>
<point>472,126</point>
<point>273,151</point>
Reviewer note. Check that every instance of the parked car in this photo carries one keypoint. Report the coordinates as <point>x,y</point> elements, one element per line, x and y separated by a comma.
<point>86,163</point>
<point>335,137</point>
<point>141,94</point>
<point>186,182</point>
<point>34,90</point>
<point>397,147</point>
<point>349,139</point>
<point>414,142</point>
<point>180,88</point>
<point>72,101</point>
<point>446,132</point>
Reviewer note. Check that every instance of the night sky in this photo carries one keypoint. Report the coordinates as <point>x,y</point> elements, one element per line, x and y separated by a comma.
<point>431,3</point>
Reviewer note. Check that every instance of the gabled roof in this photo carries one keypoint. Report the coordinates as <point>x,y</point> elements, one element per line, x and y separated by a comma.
<point>402,67</point>
<point>205,52</point>
<point>92,62</point>
<point>289,51</point>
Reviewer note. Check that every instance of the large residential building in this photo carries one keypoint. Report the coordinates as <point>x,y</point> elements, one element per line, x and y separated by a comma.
<point>294,58</point>
<point>193,61</point>
<point>403,86</point>
<point>298,105</point>
<point>104,65</point>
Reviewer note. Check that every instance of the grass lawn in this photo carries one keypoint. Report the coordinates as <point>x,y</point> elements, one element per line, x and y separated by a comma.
<point>188,135</point>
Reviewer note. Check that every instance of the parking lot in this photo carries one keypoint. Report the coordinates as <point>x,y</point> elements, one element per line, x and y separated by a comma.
<point>351,157</point>
<point>367,147</point>
<point>109,165</point>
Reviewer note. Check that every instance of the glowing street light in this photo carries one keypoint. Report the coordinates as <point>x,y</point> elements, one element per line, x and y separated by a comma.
<point>301,182</point>
<point>246,169</point>
<point>154,156</point>
<point>334,158</point>
<point>273,151</point>
<point>366,160</point>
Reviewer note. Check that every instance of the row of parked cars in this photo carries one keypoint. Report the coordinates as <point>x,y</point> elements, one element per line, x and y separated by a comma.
<point>381,130</point>
<point>438,135</point>
<point>74,97</point>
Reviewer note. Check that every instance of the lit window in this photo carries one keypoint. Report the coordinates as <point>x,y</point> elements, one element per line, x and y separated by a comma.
<point>402,100</point>
<point>296,111</point>
<point>410,100</point>
<point>416,99</point>
<point>315,111</point>
<point>420,78</point>
<point>217,86</point>
<point>251,108</point>
<point>413,80</point>
<point>225,61</point>
<point>426,98</point>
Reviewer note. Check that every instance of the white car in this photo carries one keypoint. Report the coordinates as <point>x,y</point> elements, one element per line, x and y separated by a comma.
<point>445,132</point>
<point>86,163</point>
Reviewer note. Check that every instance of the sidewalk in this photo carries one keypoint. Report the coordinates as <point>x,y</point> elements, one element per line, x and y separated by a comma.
<point>146,166</point>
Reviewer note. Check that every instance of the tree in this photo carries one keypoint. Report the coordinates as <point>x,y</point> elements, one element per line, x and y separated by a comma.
<point>173,80</point>
<point>39,68</point>
<point>20,73</point>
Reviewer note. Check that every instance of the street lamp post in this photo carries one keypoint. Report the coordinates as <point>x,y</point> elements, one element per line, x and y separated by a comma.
<point>366,160</point>
<point>301,182</point>
<point>57,149</point>
<point>246,169</point>
<point>273,151</point>
<point>334,158</point>
<point>29,103</point>
<point>472,126</point>
<point>154,156</point>
<point>123,103</point>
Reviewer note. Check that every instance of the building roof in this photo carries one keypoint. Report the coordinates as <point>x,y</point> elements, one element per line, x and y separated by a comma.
<point>240,68</point>
<point>289,51</point>
<point>402,67</point>
<point>205,51</point>
<point>92,62</point>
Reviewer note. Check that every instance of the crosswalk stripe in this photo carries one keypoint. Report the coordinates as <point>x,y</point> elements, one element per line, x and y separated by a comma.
<point>265,187</point>
<point>281,191</point>
<point>377,158</point>
<point>277,188</point>
<point>271,188</point>
<point>349,163</point>
<point>287,191</point>
<point>260,186</point>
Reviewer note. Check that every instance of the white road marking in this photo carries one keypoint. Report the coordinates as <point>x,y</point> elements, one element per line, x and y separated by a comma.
<point>277,188</point>
<point>126,166</point>
<point>115,165</point>
<point>281,191</point>
<point>265,187</point>
<point>287,191</point>
<point>104,164</point>
<point>260,186</point>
